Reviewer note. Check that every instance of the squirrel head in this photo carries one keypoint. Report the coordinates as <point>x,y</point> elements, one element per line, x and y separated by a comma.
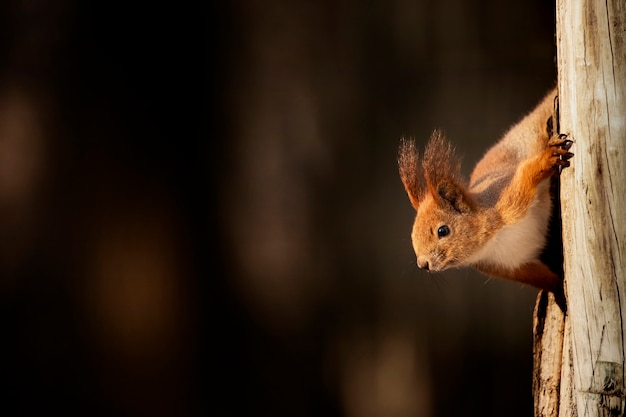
<point>446,224</point>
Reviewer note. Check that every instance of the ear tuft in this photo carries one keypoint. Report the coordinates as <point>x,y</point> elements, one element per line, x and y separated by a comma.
<point>440,161</point>
<point>410,172</point>
<point>442,171</point>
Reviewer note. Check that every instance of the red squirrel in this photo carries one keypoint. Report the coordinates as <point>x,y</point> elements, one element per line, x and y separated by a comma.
<point>498,223</point>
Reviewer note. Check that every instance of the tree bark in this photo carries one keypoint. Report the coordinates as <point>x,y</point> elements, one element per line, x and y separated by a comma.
<point>591,50</point>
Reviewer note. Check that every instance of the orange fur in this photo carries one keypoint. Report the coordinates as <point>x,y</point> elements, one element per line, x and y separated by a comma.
<point>498,223</point>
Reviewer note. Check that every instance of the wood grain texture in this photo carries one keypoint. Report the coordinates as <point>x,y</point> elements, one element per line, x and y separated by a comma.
<point>591,44</point>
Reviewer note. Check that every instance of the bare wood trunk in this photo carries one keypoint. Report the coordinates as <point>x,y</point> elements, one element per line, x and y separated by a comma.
<point>548,329</point>
<point>591,45</point>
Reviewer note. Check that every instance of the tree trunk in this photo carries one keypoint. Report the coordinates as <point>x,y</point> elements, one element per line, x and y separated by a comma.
<point>591,45</point>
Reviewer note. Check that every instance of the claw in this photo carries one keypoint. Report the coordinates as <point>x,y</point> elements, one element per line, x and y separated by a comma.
<point>562,163</point>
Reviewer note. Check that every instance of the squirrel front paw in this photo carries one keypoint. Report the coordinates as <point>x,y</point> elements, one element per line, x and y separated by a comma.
<point>557,154</point>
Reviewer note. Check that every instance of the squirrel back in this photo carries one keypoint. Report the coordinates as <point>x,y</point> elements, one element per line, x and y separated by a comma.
<point>525,139</point>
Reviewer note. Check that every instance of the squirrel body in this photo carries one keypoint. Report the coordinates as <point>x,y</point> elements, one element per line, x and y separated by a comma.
<point>497,223</point>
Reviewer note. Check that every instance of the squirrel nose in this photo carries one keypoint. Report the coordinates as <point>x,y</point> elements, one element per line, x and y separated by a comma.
<point>423,264</point>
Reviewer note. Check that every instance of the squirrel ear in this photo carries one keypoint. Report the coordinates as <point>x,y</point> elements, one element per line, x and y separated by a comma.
<point>452,196</point>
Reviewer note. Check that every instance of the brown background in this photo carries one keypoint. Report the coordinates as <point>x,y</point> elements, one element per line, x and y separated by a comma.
<point>200,211</point>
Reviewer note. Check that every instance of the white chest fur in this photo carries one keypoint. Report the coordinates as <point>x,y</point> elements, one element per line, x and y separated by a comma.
<point>522,242</point>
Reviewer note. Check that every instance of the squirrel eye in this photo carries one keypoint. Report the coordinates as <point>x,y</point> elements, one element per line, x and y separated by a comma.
<point>443,231</point>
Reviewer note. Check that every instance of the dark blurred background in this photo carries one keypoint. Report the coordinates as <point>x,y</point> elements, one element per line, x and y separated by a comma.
<point>200,210</point>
